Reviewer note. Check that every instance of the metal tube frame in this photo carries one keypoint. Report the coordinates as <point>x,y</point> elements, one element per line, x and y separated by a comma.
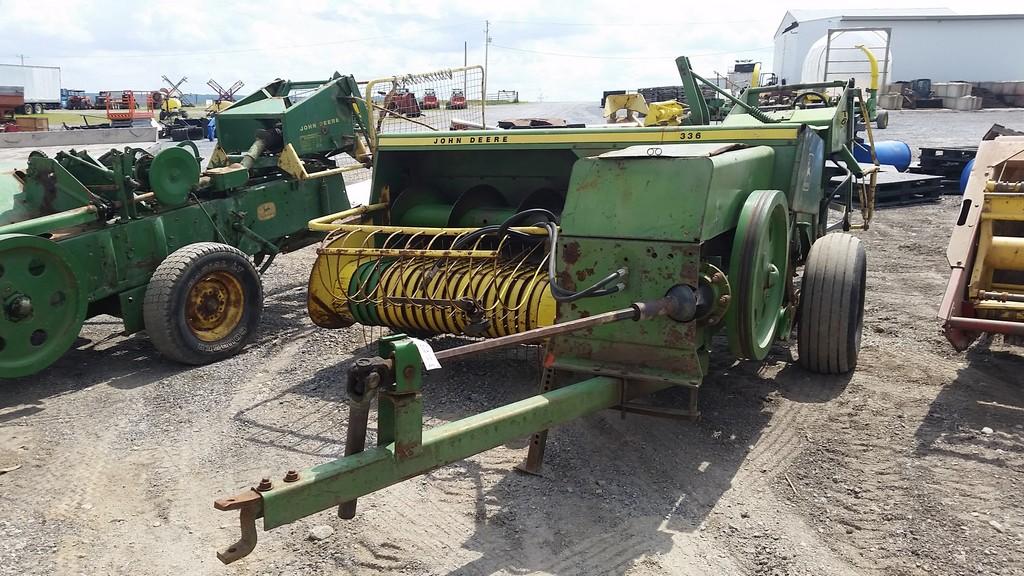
<point>404,449</point>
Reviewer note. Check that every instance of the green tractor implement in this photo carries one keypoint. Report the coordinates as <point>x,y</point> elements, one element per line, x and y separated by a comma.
<point>624,250</point>
<point>150,238</point>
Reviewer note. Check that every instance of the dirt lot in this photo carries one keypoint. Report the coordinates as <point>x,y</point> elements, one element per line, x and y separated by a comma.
<point>914,465</point>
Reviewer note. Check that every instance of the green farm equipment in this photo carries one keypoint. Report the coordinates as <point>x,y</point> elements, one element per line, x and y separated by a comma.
<point>149,237</point>
<point>625,250</point>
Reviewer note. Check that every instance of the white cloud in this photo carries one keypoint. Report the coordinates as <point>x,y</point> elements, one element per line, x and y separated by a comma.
<point>537,45</point>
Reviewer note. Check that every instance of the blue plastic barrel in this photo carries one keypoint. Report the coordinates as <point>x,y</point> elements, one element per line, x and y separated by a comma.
<point>966,175</point>
<point>889,152</point>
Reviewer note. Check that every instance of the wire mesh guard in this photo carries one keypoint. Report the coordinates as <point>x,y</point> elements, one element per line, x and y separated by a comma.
<point>427,102</point>
<point>438,282</point>
<point>356,174</point>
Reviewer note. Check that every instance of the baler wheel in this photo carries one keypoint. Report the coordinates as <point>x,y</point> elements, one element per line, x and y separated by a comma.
<point>832,305</point>
<point>757,273</point>
<point>42,303</point>
<point>882,119</point>
<point>203,303</point>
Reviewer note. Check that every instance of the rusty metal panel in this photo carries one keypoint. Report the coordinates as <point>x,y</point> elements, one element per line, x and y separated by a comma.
<point>660,349</point>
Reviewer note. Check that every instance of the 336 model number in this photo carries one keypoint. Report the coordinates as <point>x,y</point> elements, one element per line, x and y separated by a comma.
<point>689,135</point>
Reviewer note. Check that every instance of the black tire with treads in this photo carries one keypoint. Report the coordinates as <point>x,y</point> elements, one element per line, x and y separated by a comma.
<point>164,306</point>
<point>832,305</point>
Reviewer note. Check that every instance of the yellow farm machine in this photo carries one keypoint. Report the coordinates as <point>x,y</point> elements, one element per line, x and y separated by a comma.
<point>985,293</point>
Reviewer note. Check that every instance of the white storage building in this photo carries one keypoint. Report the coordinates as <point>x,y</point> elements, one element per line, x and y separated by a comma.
<point>933,43</point>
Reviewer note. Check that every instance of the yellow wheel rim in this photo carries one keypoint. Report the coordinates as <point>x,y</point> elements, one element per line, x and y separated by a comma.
<point>214,306</point>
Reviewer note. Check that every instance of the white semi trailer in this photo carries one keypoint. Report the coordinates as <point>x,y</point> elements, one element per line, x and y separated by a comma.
<point>41,84</point>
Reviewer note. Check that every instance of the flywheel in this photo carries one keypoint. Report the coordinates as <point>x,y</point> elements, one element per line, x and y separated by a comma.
<point>757,273</point>
<point>42,303</point>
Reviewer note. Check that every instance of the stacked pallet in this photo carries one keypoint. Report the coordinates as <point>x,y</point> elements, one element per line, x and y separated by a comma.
<point>897,188</point>
<point>956,95</point>
<point>947,163</point>
<point>1001,94</point>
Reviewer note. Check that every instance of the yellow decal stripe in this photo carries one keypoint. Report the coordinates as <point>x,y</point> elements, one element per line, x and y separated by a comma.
<point>611,137</point>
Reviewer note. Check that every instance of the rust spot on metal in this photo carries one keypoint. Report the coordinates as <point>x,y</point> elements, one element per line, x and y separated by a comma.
<point>588,184</point>
<point>147,263</point>
<point>571,253</point>
<point>247,498</point>
<point>404,450</point>
<point>291,476</point>
<point>265,485</point>
<point>581,275</point>
<point>565,279</point>
<point>409,372</point>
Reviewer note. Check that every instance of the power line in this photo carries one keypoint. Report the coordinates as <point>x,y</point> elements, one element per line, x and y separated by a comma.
<point>597,57</point>
<point>673,24</point>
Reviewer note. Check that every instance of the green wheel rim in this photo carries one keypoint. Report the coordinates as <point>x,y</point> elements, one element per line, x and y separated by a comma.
<point>42,304</point>
<point>757,272</point>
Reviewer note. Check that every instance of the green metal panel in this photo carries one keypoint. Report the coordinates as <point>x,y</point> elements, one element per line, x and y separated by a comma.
<point>130,303</point>
<point>648,209</point>
<point>806,193</point>
<point>124,256</point>
<point>322,121</point>
<point>10,210</point>
<point>736,174</point>
<point>659,349</point>
<point>634,195</point>
<point>681,192</point>
<point>222,179</point>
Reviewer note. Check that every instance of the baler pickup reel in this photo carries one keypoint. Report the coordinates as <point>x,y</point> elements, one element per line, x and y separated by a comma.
<point>488,281</point>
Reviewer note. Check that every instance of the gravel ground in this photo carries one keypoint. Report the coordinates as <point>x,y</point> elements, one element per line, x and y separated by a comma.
<point>912,465</point>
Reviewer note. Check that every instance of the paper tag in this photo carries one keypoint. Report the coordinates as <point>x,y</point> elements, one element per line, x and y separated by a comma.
<point>426,354</point>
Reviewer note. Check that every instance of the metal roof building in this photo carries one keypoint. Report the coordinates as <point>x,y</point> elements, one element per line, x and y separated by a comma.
<point>933,43</point>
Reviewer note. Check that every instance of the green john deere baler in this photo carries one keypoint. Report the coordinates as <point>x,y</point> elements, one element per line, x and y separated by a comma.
<point>624,250</point>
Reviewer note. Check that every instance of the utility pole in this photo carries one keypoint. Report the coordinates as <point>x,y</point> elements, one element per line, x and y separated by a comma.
<point>465,64</point>
<point>487,70</point>
<point>22,56</point>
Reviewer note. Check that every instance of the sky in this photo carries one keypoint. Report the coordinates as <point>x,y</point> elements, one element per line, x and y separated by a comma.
<point>545,49</point>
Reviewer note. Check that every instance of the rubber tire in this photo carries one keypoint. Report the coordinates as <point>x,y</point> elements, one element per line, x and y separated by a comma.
<point>39,108</point>
<point>882,120</point>
<point>27,109</point>
<point>164,305</point>
<point>179,134</point>
<point>832,305</point>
